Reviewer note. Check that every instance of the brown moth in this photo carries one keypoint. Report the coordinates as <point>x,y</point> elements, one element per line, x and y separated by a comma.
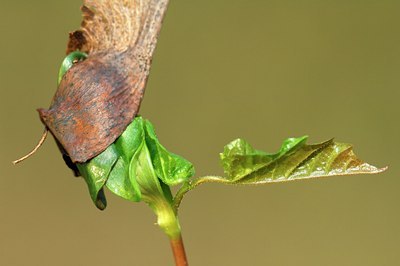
<point>100,96</point>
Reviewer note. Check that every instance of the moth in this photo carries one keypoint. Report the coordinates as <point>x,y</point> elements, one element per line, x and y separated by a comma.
<point>98,97</point>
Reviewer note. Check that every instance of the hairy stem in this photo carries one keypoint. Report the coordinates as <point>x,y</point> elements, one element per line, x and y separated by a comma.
<point>191,184</point>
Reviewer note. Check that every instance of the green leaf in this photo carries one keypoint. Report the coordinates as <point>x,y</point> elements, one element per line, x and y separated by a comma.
<point>96,171</point>
<point>127,144</point>
<point>240,159</point>
<point>169,167</point>
<point>141,171</point>
<point>131,139</point>
<point>134,165</point>
<point>295,160</point>
<point>119,183</point>
<point>154,192</point>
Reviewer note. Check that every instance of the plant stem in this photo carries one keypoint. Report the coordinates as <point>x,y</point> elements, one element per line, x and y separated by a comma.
<point>168,221</point>
<point>191,184</point>
<point>178,250</point>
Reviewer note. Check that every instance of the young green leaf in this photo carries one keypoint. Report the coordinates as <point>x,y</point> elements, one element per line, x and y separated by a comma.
<point>96,171</point>
<point>154,192</point>
<point>119,183</point>
<point>141,171</point>
<point>170,168</point>
<point>127,144</point>
<point>295,160</point>
<point>131,138</point>
<point>240,159</point>
<point>134,156</point>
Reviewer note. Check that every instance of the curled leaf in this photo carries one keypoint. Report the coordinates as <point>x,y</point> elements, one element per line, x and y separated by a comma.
<point>141,171</point>
<point>135,167</point>
<point>172,169</point>
<point>127,144</point>
<point>96,172</point>
<point>119,183</point>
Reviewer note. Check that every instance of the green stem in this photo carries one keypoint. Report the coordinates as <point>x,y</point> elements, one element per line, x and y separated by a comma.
<point>191,184</point>
<point>168,221</point>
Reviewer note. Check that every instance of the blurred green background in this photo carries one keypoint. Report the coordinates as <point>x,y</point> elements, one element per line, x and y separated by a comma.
<point>261,70</point>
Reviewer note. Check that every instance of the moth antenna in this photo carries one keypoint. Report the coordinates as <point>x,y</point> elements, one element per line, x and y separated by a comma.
<point>41,141</point>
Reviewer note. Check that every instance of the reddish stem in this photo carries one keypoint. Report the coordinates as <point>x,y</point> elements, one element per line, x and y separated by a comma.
<point>178,250</point>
